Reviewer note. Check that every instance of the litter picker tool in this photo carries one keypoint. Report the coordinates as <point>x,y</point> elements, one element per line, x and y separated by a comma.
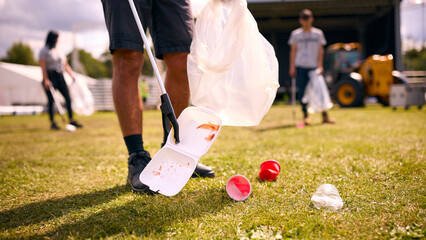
<point>293,103</point>
<point>61,111</point>
<point>293,97</point>
<point>57,103</point>
<point>168,115</point>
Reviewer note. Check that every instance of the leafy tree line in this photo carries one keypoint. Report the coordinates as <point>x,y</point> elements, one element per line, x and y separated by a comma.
<point>415,60</point>
<point>93,67</point>
<point>21,53</point>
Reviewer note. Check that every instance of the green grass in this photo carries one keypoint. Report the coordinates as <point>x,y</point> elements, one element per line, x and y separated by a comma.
<point>66,185</point>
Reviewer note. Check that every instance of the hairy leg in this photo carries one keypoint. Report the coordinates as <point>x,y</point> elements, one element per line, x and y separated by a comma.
<point>127,65</point>
<point>176,83</point>
<point>177,87</point>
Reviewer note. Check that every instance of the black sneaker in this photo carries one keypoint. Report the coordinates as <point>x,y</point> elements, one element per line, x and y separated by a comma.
<point>54,126</point>
<point>76,124</point>
<point>203,171</point>
<point>137,163</point>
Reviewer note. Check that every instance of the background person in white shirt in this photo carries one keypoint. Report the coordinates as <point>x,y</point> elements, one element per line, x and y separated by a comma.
<point>307,53</point>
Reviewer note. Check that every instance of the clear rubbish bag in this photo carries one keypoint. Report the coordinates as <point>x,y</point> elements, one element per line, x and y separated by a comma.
<point>232,68</point>
<point>81,98</point>
<point>316,94</point>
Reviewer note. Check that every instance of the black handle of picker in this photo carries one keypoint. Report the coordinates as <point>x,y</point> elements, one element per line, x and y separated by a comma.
<point>169,117</point>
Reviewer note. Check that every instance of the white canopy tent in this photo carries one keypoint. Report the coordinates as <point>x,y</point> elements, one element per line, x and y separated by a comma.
<point>21,84</point>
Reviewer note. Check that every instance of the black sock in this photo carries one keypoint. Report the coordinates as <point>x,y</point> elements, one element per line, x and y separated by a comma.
<point>134,143</point>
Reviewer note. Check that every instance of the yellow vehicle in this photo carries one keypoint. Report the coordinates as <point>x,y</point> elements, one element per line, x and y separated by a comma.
<point>351,79</point>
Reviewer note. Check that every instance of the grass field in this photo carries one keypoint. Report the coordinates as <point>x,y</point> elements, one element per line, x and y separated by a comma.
<point>66,185</point>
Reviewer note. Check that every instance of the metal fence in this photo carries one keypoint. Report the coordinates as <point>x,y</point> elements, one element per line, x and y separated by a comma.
<point>102,94</point>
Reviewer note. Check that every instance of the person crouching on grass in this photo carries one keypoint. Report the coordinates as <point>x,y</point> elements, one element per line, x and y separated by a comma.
<point>306,54</point>
<point>53,63</point>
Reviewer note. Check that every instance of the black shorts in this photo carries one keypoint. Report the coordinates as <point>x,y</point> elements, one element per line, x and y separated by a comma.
<point>170,23</point>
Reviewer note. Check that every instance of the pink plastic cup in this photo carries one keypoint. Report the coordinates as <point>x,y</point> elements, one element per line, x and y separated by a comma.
<point>269,170</point>
<point>238,187</point>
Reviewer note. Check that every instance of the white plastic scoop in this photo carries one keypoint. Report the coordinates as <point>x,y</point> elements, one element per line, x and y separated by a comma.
<point>173,165</point>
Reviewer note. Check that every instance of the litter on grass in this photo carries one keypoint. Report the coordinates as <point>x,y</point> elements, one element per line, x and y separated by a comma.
<point>174,164</point>
<point>269,170</point>
<point>70,128</point>
<point>238,187</point>
<point>327,196</point>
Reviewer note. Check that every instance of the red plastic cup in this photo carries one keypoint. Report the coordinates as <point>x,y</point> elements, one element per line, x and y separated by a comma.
<point>238,187</point>
<point>269,170</point>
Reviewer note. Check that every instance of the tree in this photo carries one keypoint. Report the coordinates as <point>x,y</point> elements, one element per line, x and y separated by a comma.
<point>102,67</point>
<point>94,67</point>
<point>20,53</point>
<point>415,60</point>
<point>106,58</point>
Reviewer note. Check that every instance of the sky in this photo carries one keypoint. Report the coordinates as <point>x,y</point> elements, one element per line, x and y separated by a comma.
<point>29,20</point>
<point>413,23</point>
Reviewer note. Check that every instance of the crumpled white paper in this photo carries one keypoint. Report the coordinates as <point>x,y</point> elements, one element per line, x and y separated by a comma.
<point>327,196</point>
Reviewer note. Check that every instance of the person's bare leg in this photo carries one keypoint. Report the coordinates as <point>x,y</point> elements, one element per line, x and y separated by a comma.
<point>176,83</point>
<point>177,86</point>
<point>127,65</point>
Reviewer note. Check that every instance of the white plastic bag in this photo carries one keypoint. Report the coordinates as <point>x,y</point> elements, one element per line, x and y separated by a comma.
<point>327,196</point>
<point>316,94</point>
<point>81,98</point>
<point>232,68</point>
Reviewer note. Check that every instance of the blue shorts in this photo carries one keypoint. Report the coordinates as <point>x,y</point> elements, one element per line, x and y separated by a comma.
<point>170,23</point>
